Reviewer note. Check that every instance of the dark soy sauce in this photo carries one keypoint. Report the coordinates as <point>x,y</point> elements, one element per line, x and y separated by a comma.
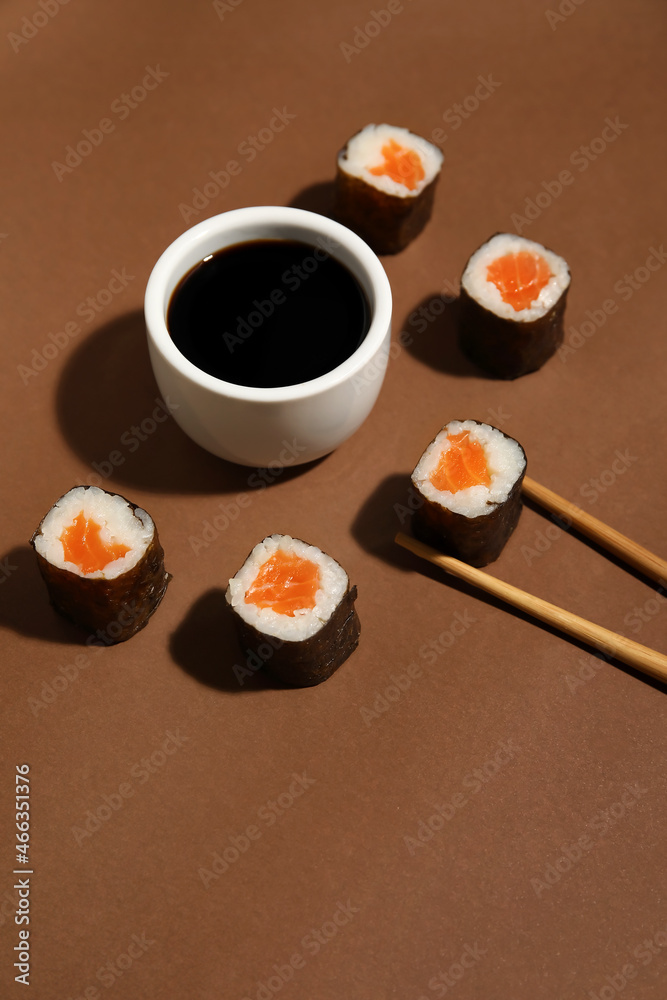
<point>268,313</point>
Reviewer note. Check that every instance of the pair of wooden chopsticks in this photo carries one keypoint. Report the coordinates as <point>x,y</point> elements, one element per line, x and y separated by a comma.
<point>633,653</point>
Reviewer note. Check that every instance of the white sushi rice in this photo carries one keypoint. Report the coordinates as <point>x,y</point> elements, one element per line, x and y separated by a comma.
<point>306,622</point>
<point>364,150</point>
<point>479,287</point>
<point>119,524</point>
<point>504,458</point>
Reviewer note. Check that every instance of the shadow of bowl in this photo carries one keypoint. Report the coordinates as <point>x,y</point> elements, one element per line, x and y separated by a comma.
<point>113,417</point>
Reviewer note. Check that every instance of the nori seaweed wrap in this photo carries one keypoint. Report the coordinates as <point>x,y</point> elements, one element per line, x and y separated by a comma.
<point>385,186</point>
<point>102,563</point>
<point>513,294</point>
<point>468,489</point>
<point>294,610</point>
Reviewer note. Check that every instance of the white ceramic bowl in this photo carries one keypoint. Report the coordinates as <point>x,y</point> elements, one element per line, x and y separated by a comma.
<point>275,426</point>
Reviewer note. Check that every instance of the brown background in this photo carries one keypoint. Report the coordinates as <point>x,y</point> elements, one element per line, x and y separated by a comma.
<point>481,882</point>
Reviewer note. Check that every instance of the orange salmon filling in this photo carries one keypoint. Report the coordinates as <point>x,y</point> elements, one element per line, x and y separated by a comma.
<point>519,277</point>
<point>286,583</point>
<point>403,165</point>
<point>84,547</point>
<point>461,466</point>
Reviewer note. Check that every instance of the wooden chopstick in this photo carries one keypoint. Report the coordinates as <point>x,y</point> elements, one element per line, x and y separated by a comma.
<point>641,657</point>
<point>627,550</point>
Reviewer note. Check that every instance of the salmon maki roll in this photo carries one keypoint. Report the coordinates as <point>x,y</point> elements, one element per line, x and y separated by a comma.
<point>102,563</point>
<point>294,610</point>
<point>513,294</point>
<point>468,485</point>
<point>385,185</point>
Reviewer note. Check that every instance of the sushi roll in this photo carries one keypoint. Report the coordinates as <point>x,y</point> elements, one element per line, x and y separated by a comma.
<point>513,294</point>
<point>385,184</point>
<point>294,610</point>
<point>468,486</point>
<point>102,563</point>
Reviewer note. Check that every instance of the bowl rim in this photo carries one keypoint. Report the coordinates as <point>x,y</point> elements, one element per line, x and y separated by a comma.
<point>268,222</point>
